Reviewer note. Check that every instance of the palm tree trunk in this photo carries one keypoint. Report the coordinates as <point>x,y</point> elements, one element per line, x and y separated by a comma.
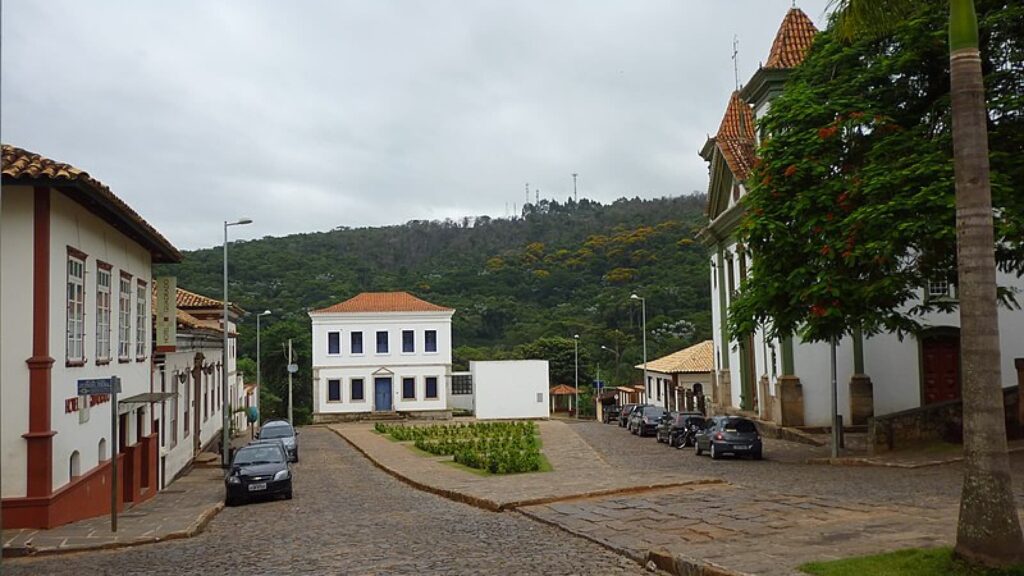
<point>989,529</point>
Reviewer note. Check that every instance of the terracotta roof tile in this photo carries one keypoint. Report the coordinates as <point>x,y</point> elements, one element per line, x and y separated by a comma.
<point>696,358</point>
<point>735,137</point>
<point>793,40</point>
<point>31,168</point>
<point>562,390</point>
<point>383,302</point>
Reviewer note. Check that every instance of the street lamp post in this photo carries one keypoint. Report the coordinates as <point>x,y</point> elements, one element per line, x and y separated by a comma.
<point>576,360</point>
<point>226,422</point>
<point>259,384</point>
<point>643,313</point>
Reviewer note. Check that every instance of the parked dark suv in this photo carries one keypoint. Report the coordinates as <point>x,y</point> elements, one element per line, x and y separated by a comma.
<point>730,435</point>
<point>611,413</point>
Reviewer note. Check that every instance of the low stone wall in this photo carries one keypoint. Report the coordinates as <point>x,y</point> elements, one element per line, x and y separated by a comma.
<point>932,423</point>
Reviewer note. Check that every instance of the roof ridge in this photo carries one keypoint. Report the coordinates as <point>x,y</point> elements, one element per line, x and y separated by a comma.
<point>792,41</point>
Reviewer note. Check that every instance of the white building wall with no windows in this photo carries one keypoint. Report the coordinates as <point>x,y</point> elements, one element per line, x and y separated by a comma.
<point>510,389</point>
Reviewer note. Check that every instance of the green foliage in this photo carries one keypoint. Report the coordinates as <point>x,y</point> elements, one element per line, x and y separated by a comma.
<point>497,447</point>
<point>851,206</point>
<point>247,366</point>
<point>489,270</point>
<point>913,562</point>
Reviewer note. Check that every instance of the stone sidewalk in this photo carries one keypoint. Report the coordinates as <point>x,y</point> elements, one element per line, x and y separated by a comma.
<point>578,471</point>
<point>180,511</point>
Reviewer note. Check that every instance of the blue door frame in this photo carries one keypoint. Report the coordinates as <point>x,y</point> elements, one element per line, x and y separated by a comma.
<point>382,394</point>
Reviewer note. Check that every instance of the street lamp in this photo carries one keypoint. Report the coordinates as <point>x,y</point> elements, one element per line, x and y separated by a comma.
<point>259,386</point>
<point>576,358</point>
<point>226,432</point>
<point>643,312</point>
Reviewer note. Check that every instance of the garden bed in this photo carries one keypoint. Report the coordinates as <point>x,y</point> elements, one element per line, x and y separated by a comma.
<point>492,447</point>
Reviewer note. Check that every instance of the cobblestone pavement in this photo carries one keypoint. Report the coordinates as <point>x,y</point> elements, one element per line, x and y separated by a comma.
<point>348,517</point>
<point>774,514</point>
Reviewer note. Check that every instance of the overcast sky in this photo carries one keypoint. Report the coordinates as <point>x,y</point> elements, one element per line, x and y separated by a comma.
<point>307,115</point>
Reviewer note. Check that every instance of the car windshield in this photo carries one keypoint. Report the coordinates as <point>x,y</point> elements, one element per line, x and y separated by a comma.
<point>266,454</point>
<point>694,421</point>
<point>742,426</point>
<point>653,412</point>
<point>276,432</point>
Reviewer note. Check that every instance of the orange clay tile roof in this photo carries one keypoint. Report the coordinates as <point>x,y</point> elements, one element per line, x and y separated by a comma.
<point>383,302</point>
<point>188,299</point>
<point>696,358</point>
<point>735,137</point>
<point>562,390</point>
<point>21,166</point>
<point>792,41</point>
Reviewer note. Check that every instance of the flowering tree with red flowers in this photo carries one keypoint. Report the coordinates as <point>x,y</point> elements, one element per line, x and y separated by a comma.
<point>850,210</point>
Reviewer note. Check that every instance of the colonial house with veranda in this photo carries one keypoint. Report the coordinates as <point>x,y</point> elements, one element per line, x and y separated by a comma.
<point>75,300</point>
<point>381,353</point>
<point>789,381</point>
<point>680,380</point>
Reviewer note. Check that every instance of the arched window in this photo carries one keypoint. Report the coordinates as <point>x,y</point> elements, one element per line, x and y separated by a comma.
<point>76,469</point>
<point>102,450</point>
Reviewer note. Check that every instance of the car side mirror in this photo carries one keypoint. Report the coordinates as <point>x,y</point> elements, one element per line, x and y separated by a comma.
<point>257,435</point>
<point>296,432</point>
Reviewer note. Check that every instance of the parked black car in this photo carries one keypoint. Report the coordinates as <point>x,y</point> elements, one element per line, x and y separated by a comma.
<point>625,413</point>
<point>729,435</point>
<point>283,431</point>
<point>644,420</point>
<point>693,424</point>
<point>673,431</point>
<point>611,413</point>
<point>258,470</point>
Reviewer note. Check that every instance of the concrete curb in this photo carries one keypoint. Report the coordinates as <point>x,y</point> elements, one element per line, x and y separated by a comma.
<point>197,527</point>
<point>494,506</point>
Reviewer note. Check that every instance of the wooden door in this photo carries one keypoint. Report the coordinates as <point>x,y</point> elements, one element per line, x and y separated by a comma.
<point>940,357</point>
<point>382,394</point>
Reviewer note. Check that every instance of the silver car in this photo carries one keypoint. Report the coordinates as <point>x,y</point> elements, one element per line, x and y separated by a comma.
<point>284,432</point>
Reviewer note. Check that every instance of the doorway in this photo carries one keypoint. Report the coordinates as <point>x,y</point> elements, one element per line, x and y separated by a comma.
<point>382,394</point>
<point>940,367</point>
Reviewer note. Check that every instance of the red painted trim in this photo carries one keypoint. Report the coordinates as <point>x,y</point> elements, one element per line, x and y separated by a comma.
<point>166,348</point>
<point>40,437</point>
<point>126,275</point>
<point>141,282</point>
<point>74,363</point>
<point>72,251</point>
<point>86,496</point>
<point>104,266</point>
<point>103,362</point>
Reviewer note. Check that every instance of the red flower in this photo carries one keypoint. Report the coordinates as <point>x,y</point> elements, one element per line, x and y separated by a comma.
<point>856,115</point>
<point>847,254</point>
<point>790,170</point>
<point>842,197</point>
<point>829,216</point>
<point>827,132</point>
<point>826,250</point>
<point>817,229</point>
<point>818,310</point>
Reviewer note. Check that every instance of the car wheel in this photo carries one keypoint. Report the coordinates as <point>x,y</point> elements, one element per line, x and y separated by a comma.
<point>696,449</point>
<point>231,502</point>
<point>671,442</point>
<point>288,495</point>
<point>758,455</point>
<point>715,454</point>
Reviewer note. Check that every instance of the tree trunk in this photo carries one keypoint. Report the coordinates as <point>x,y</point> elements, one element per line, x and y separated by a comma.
<point>989,529</point>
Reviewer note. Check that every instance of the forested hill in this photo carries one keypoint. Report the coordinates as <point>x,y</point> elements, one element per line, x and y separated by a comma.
<point>558,270</point>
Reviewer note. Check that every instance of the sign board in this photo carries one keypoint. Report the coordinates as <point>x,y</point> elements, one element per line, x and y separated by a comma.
<point>293,368</point>
<point>91,386</point>
<point>166,313</point>
<point>598,384</point>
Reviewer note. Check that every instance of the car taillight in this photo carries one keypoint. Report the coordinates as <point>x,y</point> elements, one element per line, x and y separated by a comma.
<point>718,436</point>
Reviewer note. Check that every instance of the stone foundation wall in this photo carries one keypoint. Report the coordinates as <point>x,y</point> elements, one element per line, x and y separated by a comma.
<point>932,423</point>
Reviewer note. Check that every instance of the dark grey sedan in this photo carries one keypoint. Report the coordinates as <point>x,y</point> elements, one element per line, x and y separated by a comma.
<point>729,435</point>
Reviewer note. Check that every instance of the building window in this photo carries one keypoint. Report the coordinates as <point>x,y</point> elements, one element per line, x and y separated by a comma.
<point>430,340</point>
<point>408,388</point>
<point>141,323</point>
<point>382,342</point>
<point>334,342</point>
<point>186,398</point>
<point>75,466</point>
<point>938,289</point>
<point>462,384</point>
<point>102,313</point>
<point>124,318</point>
<point>174,411</point>
<point>357,389</point>
<point>408,341</point>
<point>76,309</point>
<point>334,390</point>
<point>357,343</point>
<point>431,387</point>
<point>101,450</point>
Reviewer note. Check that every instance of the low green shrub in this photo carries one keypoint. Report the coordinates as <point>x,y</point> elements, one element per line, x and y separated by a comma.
<point>497,447</point>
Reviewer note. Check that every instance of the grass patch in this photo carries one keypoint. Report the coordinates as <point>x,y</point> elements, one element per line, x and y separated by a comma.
<point>913,562</point>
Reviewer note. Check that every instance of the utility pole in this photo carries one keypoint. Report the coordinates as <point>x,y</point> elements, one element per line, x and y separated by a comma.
<point>575,198</point>
<point>290,373</point>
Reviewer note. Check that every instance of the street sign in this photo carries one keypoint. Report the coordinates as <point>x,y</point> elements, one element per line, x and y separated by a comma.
<point>99,386</point>
<point>293,368</point>
<point>598,384</point>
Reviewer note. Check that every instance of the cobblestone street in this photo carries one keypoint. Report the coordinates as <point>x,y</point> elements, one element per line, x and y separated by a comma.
<point>349,517</point>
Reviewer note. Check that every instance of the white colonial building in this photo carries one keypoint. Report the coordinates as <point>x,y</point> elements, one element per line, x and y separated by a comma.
<point>383,353</point>
<point>682,379</point>
<point>75,300</point>
<point>789,381</point>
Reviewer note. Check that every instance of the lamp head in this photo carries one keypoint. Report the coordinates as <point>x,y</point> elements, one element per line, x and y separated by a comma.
<point>265,312</point>
<point>240,222</point>
<point>634,297</point>
<point>576,336</point>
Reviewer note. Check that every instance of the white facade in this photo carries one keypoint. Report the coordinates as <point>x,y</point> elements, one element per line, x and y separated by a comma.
<point>510,389</point>
<point>403,376</point>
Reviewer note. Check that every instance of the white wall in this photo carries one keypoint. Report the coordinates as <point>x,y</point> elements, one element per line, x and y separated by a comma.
<point>15,334</point>
<point>349,406</point>
<point>509,389</point>
<point>813,367</point>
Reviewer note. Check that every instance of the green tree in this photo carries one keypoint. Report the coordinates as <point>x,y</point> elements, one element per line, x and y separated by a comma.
<point>560,354</point>
<point>877,148</point>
